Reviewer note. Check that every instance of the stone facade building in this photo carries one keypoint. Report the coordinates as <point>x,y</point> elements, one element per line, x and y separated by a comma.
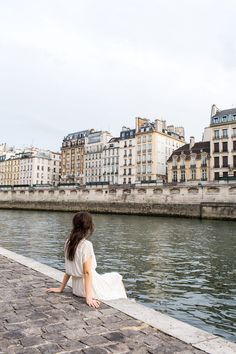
<point>222,136</point>
<point>94,156</point>
<point>72,157</point>
<point>190,163</point>
<point>127,160</point>
<point>155,142</point>
<point>111,161</point>
<point>30,166</point>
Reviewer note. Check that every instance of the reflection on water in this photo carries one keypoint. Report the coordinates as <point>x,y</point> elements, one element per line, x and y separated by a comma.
<point>184,267</point>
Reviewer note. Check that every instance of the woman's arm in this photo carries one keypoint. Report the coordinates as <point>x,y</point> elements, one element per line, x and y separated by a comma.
<point>62,287</point>
<point>87,269</point>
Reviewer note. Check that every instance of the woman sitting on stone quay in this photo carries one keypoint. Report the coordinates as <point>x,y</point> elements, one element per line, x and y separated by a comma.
<point>80,263</point>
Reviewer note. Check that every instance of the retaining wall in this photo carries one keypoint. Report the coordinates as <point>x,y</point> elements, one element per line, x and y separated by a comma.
<point>209,201</point>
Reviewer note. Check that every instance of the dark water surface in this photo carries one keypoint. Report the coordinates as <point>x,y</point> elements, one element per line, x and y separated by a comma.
<point>184,267</point>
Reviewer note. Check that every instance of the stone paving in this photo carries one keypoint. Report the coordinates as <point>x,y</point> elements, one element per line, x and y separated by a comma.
<point>34,322</point>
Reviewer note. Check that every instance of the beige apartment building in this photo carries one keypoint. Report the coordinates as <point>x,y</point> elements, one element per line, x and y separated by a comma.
<point>190,163</point>
<point>30,166</point>
<point>222,136</point>
<point>155,142</point>
<point>72,157</point>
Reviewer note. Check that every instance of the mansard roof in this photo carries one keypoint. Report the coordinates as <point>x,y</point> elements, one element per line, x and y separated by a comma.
<point>77,135</point>
<point>201,146</point>
<point>225,112</point>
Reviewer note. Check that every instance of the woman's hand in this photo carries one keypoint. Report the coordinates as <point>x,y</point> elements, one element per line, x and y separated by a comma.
<point>54,290</point>
<point>92,303</point>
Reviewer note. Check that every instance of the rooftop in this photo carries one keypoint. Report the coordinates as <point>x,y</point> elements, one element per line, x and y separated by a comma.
<point>202,146</point>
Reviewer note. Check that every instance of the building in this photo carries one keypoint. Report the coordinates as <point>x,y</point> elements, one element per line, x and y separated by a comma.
<point>127,159</point>
<point>95,143</point>
<point>155,142</point>
<point>111,161</point>
<point>190,163</point>
<point>222,136</point>
<point>5,168</point>
<point>31,166</point>
<point>72,157</point>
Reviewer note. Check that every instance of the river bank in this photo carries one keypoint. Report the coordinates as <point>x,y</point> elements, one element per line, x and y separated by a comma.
<point>36,322</point>
<point>211,201</point>
<point>217,211</point>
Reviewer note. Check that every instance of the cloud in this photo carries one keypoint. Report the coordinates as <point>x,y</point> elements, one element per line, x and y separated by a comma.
<point>73,65</point>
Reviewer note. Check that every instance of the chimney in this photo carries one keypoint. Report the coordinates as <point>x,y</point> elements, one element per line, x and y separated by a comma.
<point>139,122</point>
<point>214,110</point>
<point>192,142</point>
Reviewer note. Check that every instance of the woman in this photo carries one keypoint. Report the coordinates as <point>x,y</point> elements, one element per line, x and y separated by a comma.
<point>80,263</point>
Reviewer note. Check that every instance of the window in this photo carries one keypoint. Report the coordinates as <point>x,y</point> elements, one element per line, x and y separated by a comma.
<point>225,174</point>
<point>204,174</point>
<point>129,171</point>
<point>174,176</point>
<point>234,161</point>
<point>174,161</point>
<point>125,171</point>
<point>182,175</point>
<point>234,145</point>
<point>193,161</point>
<point>216,134</point>
<point>124,180</point>
<point>225,133</point>
<point>225,161</point>
<point>129,180</point>
<point>217,175</point>
<point>193,173</point>
<point>203,159</point>
<point>216,162</point>
<point>225,146</point>
<point>216,147</point>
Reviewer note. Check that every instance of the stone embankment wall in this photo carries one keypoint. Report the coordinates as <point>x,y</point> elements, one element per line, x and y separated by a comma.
<point>209,201</point>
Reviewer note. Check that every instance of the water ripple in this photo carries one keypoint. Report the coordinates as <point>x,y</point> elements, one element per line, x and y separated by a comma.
<point>186,268</point>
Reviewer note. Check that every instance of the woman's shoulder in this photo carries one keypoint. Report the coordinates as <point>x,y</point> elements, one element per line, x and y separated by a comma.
<point>88,243</point>
<point>85,244</point>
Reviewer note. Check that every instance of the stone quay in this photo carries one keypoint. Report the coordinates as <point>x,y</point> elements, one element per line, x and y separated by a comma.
<point>33,321</point>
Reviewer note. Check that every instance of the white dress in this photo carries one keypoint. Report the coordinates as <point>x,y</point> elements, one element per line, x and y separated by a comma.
<point>108,286</point>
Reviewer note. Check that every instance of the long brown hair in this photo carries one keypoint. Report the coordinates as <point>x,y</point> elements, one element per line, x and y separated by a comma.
<point>82,227</point>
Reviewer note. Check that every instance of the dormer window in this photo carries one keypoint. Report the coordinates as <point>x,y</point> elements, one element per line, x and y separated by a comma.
<point>193,159</point>
<point>224,118</point>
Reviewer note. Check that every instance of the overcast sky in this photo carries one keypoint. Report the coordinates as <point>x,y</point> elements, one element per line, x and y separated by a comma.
<point>70,65</point>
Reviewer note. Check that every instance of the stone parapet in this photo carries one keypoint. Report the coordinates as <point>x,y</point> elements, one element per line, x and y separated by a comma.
<point>200,201</point>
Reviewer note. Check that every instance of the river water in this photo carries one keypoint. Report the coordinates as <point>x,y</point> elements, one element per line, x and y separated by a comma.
<point>183,267</point>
